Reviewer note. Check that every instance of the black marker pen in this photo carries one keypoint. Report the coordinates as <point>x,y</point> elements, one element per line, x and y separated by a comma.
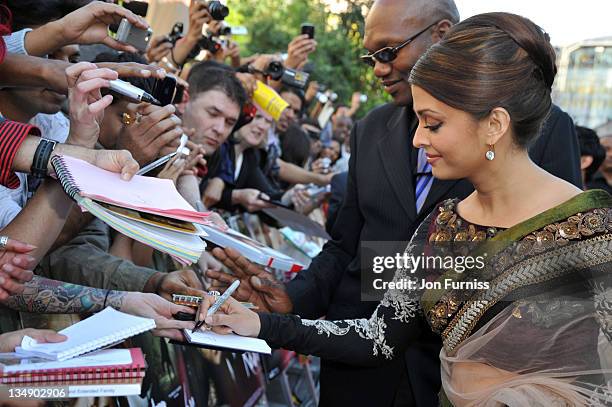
<point>132,92</point>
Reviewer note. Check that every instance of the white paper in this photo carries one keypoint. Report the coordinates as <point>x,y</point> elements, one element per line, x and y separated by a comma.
<point>100,330</point>
<point>230,341</point>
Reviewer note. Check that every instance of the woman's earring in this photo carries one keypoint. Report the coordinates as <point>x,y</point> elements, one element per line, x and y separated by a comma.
<point>490,153</point>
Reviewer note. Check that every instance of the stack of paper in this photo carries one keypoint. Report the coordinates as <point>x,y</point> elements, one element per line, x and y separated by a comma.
<point>100,365</point>
<point>146,209</point>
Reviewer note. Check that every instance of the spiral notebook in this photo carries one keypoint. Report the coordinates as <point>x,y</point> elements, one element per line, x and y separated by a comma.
<point>105,328</point>
<point>149,210</point>
<point>99,365</point>
<point>145,194</point>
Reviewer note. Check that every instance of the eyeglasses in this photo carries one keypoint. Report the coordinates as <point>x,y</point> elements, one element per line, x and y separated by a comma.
<point>388,54</point>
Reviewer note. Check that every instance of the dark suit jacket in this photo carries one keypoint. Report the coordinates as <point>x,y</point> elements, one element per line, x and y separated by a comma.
<point>380,206</point>
<point>338,190</point>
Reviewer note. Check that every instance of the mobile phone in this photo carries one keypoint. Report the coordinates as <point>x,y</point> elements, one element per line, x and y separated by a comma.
<point>164,90</point>
<point>272,201</point>
<point>137,37</point>
<point>309,30</point>
<point>140,8</point>
<point>178,95</point>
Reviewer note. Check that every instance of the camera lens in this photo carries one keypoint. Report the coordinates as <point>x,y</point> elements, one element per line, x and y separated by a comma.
<point>275,70</point>
<point>217,10</point>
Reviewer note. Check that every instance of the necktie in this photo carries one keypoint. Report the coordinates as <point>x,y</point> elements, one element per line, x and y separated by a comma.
<point>424,179</point>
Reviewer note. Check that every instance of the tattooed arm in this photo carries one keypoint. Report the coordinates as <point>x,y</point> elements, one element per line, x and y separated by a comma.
<point>45,296</point>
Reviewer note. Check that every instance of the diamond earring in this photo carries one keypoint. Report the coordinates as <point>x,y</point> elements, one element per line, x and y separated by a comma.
<point>490,153</point>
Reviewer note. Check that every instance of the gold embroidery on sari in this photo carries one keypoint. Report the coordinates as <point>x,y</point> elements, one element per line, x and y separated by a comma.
<point>455,319</point>
<point>450,227</point>
<point>541,268</point>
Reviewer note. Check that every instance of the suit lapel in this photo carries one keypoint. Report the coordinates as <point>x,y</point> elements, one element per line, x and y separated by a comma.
<point>394,149</point>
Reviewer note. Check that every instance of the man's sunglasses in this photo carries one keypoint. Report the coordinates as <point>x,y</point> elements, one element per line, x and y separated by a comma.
<point>388,54</point>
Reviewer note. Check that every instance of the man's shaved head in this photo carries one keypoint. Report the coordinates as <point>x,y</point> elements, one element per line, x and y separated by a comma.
<point>391,22</point>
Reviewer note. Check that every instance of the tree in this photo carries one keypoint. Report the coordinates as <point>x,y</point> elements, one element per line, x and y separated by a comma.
<point>273,23</point>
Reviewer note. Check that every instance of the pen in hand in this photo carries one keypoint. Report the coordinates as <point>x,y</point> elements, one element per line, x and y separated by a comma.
<point>218,303</point>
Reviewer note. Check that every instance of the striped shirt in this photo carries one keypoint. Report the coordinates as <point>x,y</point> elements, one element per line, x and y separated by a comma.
<point>12,135</point>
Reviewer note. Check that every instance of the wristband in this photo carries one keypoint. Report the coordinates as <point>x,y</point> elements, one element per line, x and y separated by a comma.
<point>40,162</point>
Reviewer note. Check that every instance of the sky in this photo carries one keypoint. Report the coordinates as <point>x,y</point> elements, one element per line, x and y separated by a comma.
<point>566,21</point>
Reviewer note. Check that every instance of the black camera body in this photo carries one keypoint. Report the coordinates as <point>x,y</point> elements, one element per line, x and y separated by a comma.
<point>217,10</point>
<point>176,33</point>
<point>290,77</point>
<point>209,44</point>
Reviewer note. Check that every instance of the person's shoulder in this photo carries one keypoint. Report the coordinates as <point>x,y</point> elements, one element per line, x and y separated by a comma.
<point>556,118</point>
<point>381,113</point>
<point>377,120</point>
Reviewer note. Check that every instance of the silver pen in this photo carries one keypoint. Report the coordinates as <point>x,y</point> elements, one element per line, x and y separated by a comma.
<point>132,92</point>
<point>156,163</point>
<point>161,161</point>
<point>215,307</point>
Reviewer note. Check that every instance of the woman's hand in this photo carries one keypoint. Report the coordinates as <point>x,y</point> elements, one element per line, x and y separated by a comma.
<point>231,317</point>
<point>10,340</point>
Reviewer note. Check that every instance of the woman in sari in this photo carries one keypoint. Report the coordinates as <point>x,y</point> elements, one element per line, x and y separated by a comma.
<point>532,323</point>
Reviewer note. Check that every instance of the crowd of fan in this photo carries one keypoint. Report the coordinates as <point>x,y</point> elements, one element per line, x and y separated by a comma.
<point>240,158</point>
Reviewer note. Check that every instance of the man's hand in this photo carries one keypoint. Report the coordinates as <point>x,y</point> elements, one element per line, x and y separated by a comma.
<point>233,52</point>
<point>155,307</point>
<point>249,199</point>
<point>311,91</point>
<point>198,16</point>
<point>86,102</point>
<point>156,128</point>
<point>248,81</point>
<point>298,50</point>
<point>10,340</point>
<point>16,264</point>
<point>134,69</point>
<point>301,199</point>
<point>212,193</point>
<point>184,282</point>
<point>256,285</point>
<point>355,103</point>
<point>173,168</point>
<point>89,25</point>
<point>119,161</point>
<point>159,47</point>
